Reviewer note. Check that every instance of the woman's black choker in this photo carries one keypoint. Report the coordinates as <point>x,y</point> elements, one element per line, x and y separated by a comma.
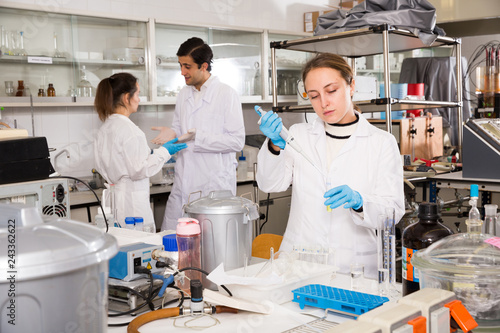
<point>348,124</point>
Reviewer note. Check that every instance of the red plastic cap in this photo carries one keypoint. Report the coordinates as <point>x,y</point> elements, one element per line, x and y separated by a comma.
<point>461,316</point>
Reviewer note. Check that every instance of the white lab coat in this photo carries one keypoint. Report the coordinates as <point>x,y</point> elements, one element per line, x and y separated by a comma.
<point>124,158</point>
<point>369,163</point>
<point>209,162</point>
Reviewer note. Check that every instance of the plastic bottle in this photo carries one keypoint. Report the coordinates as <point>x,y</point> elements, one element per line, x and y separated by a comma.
<point>139,223</point>
<point>242,169</point>
<point>419,236</point>
<point>189,244</point>
<point>474,195</point>
<point>490,220</point>
<point>170,244</point>
<point>130,223</point>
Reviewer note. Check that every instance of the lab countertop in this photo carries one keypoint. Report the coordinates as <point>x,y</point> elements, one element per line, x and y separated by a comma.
<point>282,317</point>
<point>87,198</point>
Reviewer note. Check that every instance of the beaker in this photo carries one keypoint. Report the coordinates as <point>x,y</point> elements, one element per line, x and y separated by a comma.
<point>9,88</point>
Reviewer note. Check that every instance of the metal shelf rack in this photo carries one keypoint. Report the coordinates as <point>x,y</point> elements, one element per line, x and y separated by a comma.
<point>382,39</point>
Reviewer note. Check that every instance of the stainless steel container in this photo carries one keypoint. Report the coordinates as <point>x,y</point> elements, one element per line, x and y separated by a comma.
<point>226,229</point>
<point>53,273</point>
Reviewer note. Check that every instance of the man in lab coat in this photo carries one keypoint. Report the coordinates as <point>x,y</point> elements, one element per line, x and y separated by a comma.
<point>213,109</point>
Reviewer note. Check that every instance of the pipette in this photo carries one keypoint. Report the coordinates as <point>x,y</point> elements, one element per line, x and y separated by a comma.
<point>290,140</point>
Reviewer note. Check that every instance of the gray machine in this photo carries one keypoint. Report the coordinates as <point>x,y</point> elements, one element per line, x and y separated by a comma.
<point>49,196</point>
<point>481,148</point>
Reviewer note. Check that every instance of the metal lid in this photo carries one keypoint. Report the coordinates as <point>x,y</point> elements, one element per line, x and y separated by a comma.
<point>48,247</point>
<point>219,202</point>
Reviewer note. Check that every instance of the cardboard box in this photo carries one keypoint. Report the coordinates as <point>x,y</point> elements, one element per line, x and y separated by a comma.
<point>310,19</point>
<point>349,4</point>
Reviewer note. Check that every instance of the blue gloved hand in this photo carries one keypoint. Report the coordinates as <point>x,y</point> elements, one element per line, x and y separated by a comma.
<point>271,125</point>
<point>341,195</point>
<point>174,147</point>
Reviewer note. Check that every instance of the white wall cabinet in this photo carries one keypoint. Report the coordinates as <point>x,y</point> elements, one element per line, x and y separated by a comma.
<point>65,50</point>
<point>74,52</point>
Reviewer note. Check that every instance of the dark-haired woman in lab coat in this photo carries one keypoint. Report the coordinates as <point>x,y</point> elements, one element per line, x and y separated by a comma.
<point>121,150</point>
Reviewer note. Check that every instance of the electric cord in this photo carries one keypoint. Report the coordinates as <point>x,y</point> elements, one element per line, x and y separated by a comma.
<point>91,189</point>
<point>181,298</point>
<point>155,292</point>
<point>267,213</point>
<point>148,300</point>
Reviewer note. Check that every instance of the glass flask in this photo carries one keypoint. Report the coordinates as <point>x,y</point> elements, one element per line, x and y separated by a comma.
<point>4,47</point>
<point>57,53</point>
<point>469,265</point>
<point>84,87</point>
<point>20,47</point>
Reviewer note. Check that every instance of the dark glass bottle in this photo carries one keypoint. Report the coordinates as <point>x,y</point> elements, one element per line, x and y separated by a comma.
<point>51,92</point>
<point>20,88</point>
<point>418,236</point>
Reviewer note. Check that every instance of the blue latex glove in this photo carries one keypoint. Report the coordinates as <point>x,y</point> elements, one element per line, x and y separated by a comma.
<point>271,125</point>
<point>174,147</point>
<point>341,195</point>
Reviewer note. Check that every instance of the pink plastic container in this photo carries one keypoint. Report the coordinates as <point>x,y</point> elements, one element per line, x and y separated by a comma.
<point>188,242</point>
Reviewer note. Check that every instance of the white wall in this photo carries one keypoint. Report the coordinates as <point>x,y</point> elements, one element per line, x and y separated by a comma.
<point>73,128</point>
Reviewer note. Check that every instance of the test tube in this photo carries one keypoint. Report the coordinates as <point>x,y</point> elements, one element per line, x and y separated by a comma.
<point>383,270</point>
<point>390,244</point>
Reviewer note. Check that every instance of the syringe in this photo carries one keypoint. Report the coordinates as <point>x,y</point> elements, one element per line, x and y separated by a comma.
<point>289,139</point>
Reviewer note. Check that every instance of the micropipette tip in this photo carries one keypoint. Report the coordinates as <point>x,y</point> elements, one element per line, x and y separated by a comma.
<point>258,109</point>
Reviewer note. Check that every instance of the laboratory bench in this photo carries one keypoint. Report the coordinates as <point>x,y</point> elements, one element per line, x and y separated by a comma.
<point>282,318</point>
<point>83,204</point>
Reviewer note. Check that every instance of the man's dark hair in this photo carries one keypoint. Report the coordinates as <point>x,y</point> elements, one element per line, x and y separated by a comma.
<point>198,50</point>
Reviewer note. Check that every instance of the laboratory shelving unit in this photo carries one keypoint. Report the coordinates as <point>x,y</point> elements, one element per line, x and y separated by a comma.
<point>382,39</point>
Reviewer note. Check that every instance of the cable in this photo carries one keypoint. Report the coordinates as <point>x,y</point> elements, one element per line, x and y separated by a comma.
<point>267,213</point>
<point>91,189</point>
<point>147,300</point>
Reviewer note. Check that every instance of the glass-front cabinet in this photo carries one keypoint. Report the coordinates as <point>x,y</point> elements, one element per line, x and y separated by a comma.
<point>237,59</point>
<point>288,69</point>
<point>68,53</point>
<point>60,58</point>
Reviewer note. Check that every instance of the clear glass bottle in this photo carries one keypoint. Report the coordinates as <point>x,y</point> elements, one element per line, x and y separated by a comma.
<point>4,49</point>
<point>84,87</point>
<point>21,51</point>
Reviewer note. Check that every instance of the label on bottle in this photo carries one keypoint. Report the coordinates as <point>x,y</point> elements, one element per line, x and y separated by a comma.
<point>409,272</point>
<point>495,241</point>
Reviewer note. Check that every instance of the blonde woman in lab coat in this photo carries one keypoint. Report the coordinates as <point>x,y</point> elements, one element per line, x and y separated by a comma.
<point>362,167</point>
<point>122,154</point>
